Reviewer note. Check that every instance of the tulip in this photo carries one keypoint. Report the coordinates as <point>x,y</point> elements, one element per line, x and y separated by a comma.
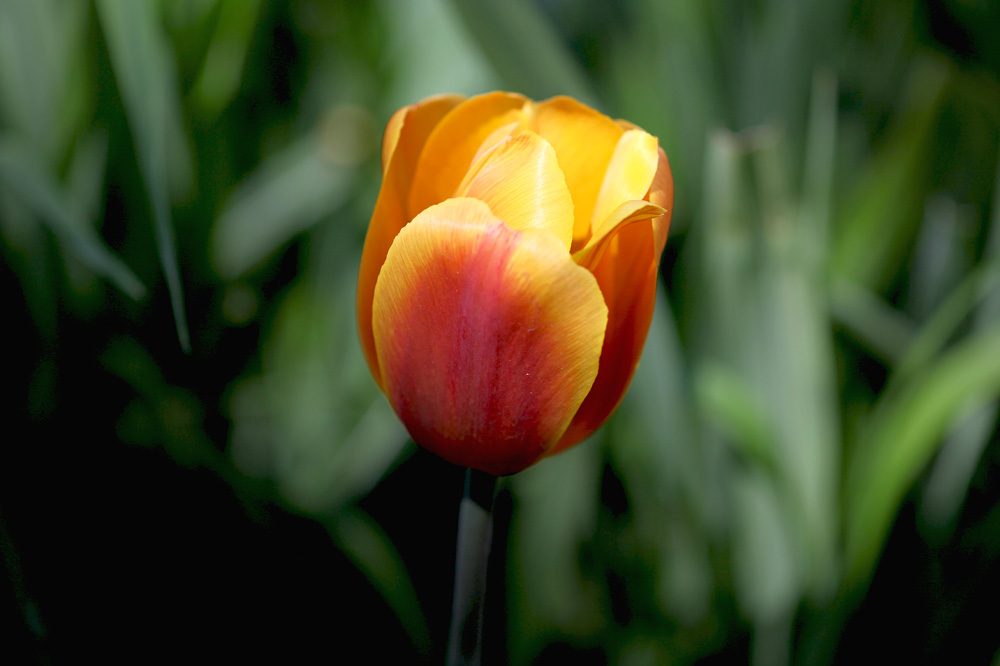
<point>509,272</point>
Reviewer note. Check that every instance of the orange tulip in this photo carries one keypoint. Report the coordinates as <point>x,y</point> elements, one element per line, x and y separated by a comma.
<point>509,272</point>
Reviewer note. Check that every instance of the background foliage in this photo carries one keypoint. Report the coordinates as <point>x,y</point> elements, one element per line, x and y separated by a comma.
<point>197,460</point>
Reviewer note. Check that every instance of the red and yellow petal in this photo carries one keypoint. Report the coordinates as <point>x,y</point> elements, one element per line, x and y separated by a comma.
<point>403,143</point>
<point>584,141</point>
<point>454,143</point>
<point>520,180</point>
<point>488,338</point>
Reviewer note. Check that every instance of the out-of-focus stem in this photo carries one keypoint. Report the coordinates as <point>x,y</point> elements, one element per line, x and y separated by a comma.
<point>475,534</point>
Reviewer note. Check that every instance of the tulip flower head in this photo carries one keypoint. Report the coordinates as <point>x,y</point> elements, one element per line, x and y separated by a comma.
<point>509,273</point>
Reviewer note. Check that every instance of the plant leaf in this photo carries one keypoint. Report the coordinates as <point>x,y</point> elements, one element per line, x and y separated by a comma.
<point>904,433</point>
<point>144,71</point>
<point>39,192</point>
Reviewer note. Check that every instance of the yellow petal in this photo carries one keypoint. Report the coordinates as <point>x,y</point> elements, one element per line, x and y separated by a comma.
<point>520,180</point>
<point>627,213</point>
<point>406,139</point>
<point>629,174</point>
<point>584,141</point>
<point>488,338</point>
<point>453,144</point>
<point>495,137</point>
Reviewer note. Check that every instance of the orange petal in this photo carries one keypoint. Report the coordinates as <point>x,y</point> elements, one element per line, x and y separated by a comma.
<point>488,338</point>
<point>390,137</point>
<point>661,193</point>
<point>629,175</point>
<point>627,213</point>
<point>404,139</point>
<point>584,141</point>
<point>519,179</point>
<point>627,274</point>
<point>455,141</point>
<point>431,110</point>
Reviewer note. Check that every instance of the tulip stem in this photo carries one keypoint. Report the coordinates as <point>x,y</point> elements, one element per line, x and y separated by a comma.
<point>475,534</point>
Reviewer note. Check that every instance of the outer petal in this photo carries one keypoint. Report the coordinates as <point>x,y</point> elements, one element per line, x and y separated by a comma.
<point>402,145</point>
<point>390,137</point>
<point>519,179</point>
<point>584,140</point>
<point>455,141</point>
<point>488,338</point>
<point>661,193</point>
<point>420,119</point>
<point>627,272</point>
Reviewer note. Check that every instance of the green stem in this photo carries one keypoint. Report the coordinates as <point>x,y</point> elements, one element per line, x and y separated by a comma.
<point>475,533</point>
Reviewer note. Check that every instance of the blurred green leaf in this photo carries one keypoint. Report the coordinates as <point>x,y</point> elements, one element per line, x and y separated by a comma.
<point>904,432</point>
<point>661,458</point>
<point>949,479</point>
<point>767,320</point>
<point>940,254</point>
<point>43,79</point>
<point>765,571</point>
<point>434,53</point>
<point>85,177</point>
<point>285,196</point>
<point>725,249</point>
<point>314,422</point>
<point>525,50</point>
<point>555,511</point>
<point>884,330</point>
<point>372,552</point>
<point>144,71</point>
<point>222,67</point>
<point>29,182</point>
<point>877,222</point>
<point>818,182</point>
<point>729,403</point>
<point>979,284</point>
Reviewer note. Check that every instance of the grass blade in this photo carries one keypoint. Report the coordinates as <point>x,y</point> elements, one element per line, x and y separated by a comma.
<point>285,196</point>
<point>906,429</point>
<point>144,71</point>
<point>370,549</point>
<point>28,181</point>
<point>949,480</point>
<point>879,221</point>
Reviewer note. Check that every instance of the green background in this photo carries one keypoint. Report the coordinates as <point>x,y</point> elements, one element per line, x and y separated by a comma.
<point>197,463</point>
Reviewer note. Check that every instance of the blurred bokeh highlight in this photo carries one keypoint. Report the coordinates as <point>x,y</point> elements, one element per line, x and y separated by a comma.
<point>198,462</point>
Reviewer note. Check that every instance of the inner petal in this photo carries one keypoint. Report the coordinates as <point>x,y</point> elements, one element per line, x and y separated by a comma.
<point>520,180</point>
<point>584,141</point>
<point>454,142</point>
<point>629,174</point>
